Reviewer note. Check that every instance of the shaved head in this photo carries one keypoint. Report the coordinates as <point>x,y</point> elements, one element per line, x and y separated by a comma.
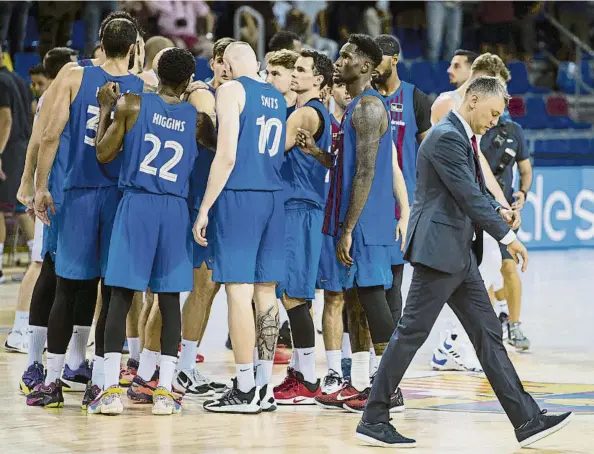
<point>155,45</point>
<point>241,60</point>
<point>157,57</point>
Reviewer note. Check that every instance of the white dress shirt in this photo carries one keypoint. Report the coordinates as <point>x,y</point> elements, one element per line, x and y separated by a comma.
<point>509,236</point>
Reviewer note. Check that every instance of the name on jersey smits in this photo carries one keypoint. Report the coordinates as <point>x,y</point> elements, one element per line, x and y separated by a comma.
<point>269,102</point>
<point>169,123</point>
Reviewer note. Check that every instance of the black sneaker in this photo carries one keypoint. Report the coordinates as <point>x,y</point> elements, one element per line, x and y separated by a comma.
<point>47,396</point>
<point>382,435</point>
<point>397,402</point>
<point>267,401</point>
<point>235,401</point>
<point>91,393</point>
<point>541,426</point>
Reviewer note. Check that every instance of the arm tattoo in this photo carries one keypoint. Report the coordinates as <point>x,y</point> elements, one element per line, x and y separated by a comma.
<point>267,324</point>
<point>323,157</point>
<point>370,122</point>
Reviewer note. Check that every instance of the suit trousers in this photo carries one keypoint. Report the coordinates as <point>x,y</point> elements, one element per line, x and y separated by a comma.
<point>466,294</point>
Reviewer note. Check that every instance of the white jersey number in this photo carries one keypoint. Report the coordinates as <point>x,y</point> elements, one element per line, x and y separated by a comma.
<point>265,131</point>
<point>164,171</point>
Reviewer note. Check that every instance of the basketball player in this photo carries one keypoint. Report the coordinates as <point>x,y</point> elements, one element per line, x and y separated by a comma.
<point>279,69</point>
<point>245,182</point>
<point>76,371</point>
<point>18,339</point>
<point>160,258</point>
<point>361,187</point>
<point>153,46</point>
<point>410,112</point>
<point>459,69</point>
<point>90,198</point>
<point>304,179</point>
<point>452,353</point>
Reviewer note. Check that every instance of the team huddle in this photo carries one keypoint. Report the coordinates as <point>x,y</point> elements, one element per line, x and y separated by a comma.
<point>191,185</point>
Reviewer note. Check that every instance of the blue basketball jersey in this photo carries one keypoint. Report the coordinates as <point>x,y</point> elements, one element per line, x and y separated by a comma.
<point>291,109</point>
<point>85,62</point>
<point>262,132</point>
<point>160,149</point>
<point>381,197</point>
<point>303,175</point>
<point>82,169</point>
<point>199,177</point>
<point>404,134</point>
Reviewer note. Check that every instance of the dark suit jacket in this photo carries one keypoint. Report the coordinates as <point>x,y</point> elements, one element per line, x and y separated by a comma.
<point>449,202</point>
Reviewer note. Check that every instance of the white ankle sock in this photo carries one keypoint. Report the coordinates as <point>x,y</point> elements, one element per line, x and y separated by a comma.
<point>77,353</point>
<point>167,371</point>
<point>148,364</point>
<point>112,365</point>
<point>373,362</point>
<point>37,337</point>
<point>307,363</point>
<point>98,377</point>
<point>294,362</point>
<point>55,363</point>
<point>263,372</point>
<point>333,357</point>
<point>187,356</point>
<point>134,347</point>
<point>346,346</point>
<point>21,320</point>
<point>360,371</point>
<point>245,377</point>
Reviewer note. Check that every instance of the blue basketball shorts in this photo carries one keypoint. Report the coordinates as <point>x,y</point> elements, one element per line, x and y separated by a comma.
<point>151,244</point>
<point>49,242</point>
<point>303,246</point>
<point>203,254</point>
<point>330,269</point>
<point>85,232</point>
<point>371,252</point>
<point>249,237</point>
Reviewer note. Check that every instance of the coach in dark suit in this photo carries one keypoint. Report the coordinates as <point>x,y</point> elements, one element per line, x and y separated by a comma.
<point>450,211</point>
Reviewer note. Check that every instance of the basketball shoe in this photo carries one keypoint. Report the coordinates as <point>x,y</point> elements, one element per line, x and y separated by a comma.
<point>298,392</point>
<point>236,401</point>
<point>516,337</point>
<point>331,382</point>
<point>192,382</point>
<point>33,376</point>
<point>108,402</point>
<point>49,396</point>
<point>357,404</point>
<point>288,380</point>
<point>141,391</point>
<point>90,395</point>
<point>128,373</point>
<point>338,398</point>
<point>165,403</point>
<point>267,401</point>
<point>17,341</point>
<point>453,354</point>
<point>76,380</point>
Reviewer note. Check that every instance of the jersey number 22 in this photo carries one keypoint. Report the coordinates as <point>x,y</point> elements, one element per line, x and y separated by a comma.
<point>164,171</point>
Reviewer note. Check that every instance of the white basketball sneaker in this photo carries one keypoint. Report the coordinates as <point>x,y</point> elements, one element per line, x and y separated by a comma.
<point>454,354</point>
<point>17,341</point>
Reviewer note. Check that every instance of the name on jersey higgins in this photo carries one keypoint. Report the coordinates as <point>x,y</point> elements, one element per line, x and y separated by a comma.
<point>169,123</point>
<point>269,102</point>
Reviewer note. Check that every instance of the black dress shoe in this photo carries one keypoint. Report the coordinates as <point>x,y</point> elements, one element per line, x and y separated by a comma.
<point>541,426</point>
<point>382,434</point>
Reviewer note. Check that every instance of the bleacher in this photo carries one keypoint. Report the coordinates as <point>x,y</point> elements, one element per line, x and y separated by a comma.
<point>554,137</point>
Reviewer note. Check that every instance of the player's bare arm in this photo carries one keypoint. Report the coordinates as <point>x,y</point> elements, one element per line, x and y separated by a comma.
<point>401,195</point>
<point>110,137</point>
<point>206,134</point>
<point>301,128</point>
<point>440,108</point>
<point>204,101</point>
<point>26,189</point>
<point>50,140</point>
<point>370,122</point>
<point>230,101</point>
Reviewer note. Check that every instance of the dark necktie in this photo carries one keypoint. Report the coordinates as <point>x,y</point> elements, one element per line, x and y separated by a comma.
<point>477,162</point>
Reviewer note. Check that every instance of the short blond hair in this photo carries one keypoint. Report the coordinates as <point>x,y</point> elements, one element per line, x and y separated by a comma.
<point>491,65</point>
<point>285,58</point>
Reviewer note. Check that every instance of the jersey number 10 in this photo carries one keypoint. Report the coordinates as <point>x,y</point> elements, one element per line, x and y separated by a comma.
<point>265,131</point>
<point>164,171</point>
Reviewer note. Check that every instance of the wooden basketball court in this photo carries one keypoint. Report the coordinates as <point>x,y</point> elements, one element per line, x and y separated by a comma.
<point>449,412</point>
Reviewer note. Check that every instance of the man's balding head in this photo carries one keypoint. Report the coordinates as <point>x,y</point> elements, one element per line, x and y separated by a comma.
<point>241,60</point>
<point>158,56</point>
<point>153,46</point>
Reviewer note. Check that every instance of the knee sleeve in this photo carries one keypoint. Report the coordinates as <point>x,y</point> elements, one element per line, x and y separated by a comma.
<point>86,299</point>
<point>44,294</point>
<point>302,327</point>
<point>61,319</point>
<point>171,323</point>
<point>379,317</point>
<point>115,323</point>
<point>100,327</point>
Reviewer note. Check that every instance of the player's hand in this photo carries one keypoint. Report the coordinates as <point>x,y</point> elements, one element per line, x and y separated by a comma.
<point>199,229</point>
<point>401,228</point>
<point>305,141</point>
<point>26,193</point>
<point>517,250</point>
<point>343,249</point>
<point>43,201</point>
<point>520,200</point>
<point>108,94</point>
<point>512,217</point>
